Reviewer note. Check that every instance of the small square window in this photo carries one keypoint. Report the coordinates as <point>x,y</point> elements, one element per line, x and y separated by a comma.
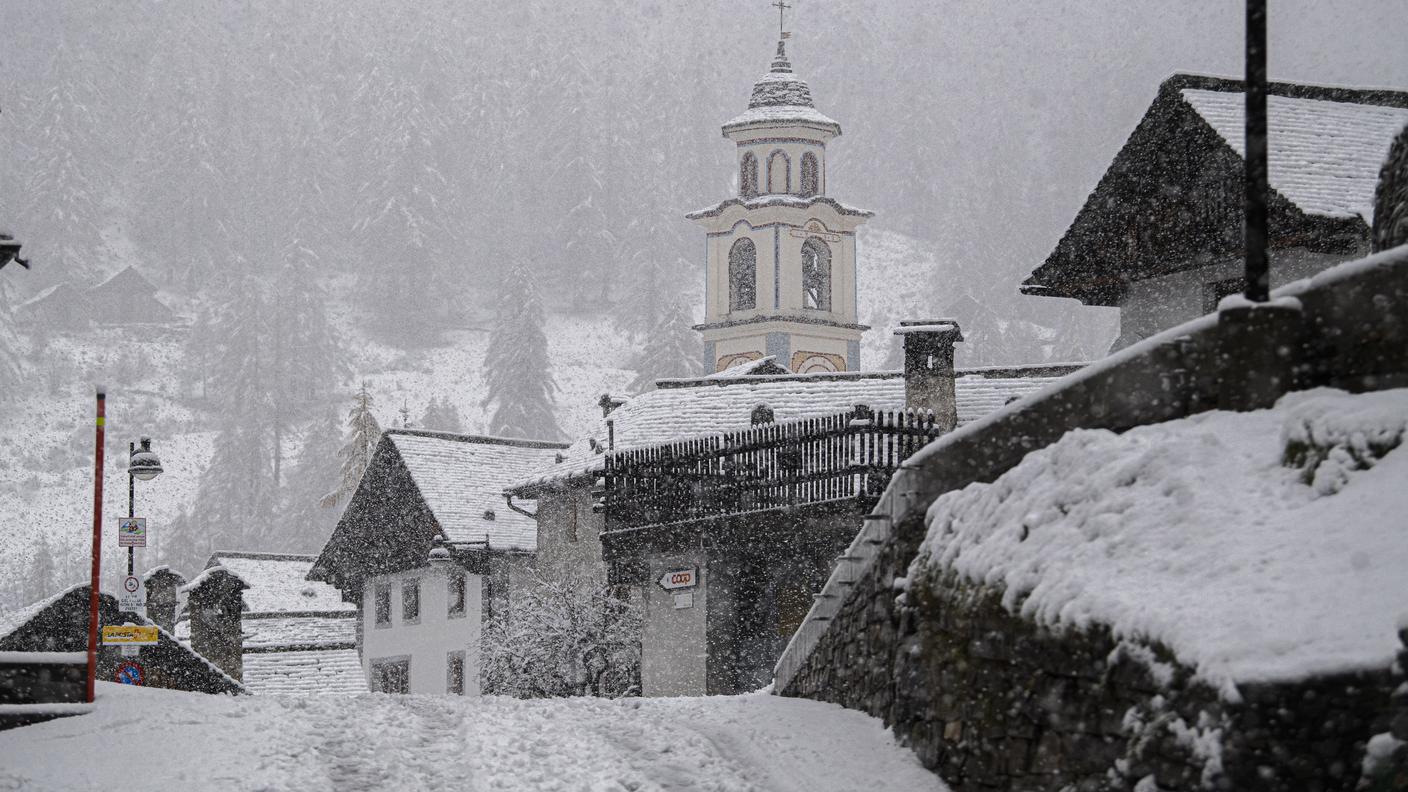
<point>391,675</point>
<point>456,592</point>
<point>454,674</point>
<point>410,602</point>
<point>383,606</point>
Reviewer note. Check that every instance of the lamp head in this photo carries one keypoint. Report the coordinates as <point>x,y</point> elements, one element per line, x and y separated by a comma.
<point>144,464</point>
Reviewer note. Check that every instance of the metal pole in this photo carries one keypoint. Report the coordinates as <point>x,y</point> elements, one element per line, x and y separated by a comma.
<point>131,497</point>
<point>1257,275</point>
<point>97,546</point>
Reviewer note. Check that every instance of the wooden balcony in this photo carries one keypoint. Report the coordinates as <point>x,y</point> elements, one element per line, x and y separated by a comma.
<point>841,457</point>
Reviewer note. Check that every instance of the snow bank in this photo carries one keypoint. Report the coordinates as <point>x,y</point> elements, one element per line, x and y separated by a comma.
<point>1257,546</point>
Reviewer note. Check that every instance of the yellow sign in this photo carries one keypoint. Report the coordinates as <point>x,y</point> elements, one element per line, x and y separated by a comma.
<point>130,635</point>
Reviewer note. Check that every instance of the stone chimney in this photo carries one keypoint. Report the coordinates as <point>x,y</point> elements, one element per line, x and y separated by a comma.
<point>215,606</point>
<point>162,585</point>
<point>928,368</point>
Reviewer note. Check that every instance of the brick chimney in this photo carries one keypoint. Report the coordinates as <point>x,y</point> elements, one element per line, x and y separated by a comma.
<point>162,585</point>
<point>215,606</point>
<point>928,368</point>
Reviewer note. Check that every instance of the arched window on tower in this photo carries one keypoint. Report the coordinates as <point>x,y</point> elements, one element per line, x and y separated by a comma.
<point>748,176</point>
<point>816,275</point>
<point>779,177</point>
<point>810,173</point>
<point>742,275</point>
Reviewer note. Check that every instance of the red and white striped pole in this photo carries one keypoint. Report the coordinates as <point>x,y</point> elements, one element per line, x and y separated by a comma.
<point>97,545</point>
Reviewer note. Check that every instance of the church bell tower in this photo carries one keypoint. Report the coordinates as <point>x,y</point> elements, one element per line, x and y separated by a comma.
<point>781,269</point>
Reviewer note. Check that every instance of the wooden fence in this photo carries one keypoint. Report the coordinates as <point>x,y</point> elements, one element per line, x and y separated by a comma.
<point>849,455</point>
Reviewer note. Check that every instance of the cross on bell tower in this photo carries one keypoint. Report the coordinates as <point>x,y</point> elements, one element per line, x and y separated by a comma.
<point>782,254</point>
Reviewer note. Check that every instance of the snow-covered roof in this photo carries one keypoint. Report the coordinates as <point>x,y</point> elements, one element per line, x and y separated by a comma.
<point>278,583</point>
<point>320,671</point>
<point>300,630</point>
<point>211,570</point>
<point>781,97</point>
<point>462,480</point>
<point>683,408</point>
<point>1323,156</point>
<point>14,620</point>
<point>1307,581</point>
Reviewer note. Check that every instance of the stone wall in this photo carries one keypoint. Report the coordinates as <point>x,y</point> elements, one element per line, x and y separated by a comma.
<point>990,700</point>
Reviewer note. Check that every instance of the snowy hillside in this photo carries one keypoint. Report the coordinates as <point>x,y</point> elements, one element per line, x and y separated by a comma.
<point>48,477</point>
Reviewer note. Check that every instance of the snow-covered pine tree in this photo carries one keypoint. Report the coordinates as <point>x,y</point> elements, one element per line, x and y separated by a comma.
<point>305,523</point>
<point>363,433</point>
<point>441,416</point>
<point>671,349</point>
<point>518,377</point>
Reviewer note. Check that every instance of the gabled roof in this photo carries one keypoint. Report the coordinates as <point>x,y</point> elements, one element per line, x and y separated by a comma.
<point>1323,155</point>
<point>278,583</point>
<point>126,279</point>
<point>1172,197</point>
<point>462,480</point>
<point>684,408</point>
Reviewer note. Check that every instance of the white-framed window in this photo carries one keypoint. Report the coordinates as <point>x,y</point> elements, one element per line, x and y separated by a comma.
<point>810,175</point>
<point>383,605</point>
<point>391,674</point>
<point>454,673</point>
<point>410,601</point>
<point>748,176</point>
<point>816,275</point>
<point>743,275</point>
<point>456,598</point>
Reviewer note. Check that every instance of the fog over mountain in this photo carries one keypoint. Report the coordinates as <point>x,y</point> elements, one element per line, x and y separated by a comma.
<point>300,177</point>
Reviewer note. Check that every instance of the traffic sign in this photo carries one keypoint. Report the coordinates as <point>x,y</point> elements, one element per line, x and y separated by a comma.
<point>132,532</point>
<point>687,577</point>
<point>130,635</point>
<point>130,673</point>
<point>133,595</point>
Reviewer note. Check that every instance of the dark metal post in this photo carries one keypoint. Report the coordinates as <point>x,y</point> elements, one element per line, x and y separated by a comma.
<point>1258,277</point>
<point>131,497</point>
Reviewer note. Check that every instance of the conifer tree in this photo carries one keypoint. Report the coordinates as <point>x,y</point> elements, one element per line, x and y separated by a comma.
<point>519,379</point>
<point>363,433</point>
<point>441,416</point>
<point>305,522</point>
<point>671,349</point>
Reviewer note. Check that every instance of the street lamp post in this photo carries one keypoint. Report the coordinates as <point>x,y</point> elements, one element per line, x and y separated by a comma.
<point>141,464</point>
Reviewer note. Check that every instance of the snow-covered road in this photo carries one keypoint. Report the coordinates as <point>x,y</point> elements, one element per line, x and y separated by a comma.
<point>162,740</point>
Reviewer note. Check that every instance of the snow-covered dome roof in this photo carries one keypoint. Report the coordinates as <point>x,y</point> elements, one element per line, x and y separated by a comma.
<point>782,97</point>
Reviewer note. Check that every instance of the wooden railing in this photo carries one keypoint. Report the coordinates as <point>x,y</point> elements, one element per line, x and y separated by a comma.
<point>849,455</point>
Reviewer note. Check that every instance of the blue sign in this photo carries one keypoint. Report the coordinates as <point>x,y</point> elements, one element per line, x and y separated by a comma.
<point>130,673</point>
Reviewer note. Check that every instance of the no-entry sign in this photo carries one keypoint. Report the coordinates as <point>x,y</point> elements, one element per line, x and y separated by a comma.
<point>130,673</point>
<point>679,578</point>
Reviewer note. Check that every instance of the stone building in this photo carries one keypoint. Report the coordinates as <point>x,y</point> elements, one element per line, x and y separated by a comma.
<point>1160,237</point>
<point>427,549</point>
<point>292,635</point>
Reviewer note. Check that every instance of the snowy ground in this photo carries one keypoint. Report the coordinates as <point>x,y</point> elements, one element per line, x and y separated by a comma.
<point>163,740</point>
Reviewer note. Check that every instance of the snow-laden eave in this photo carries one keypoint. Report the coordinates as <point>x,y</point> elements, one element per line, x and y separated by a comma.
<point>792,201</point>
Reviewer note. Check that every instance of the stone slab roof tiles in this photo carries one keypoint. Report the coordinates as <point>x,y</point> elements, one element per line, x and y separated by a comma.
<point>682,409</point>
<point>310,630</point>
<point>278,583</point>
<point>1323,156</point>
<point>319,672</point>
<point>462,480</point>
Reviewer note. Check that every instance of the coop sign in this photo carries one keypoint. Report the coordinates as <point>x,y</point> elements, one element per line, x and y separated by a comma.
<point>129,635</point>
<point>679,579</point>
